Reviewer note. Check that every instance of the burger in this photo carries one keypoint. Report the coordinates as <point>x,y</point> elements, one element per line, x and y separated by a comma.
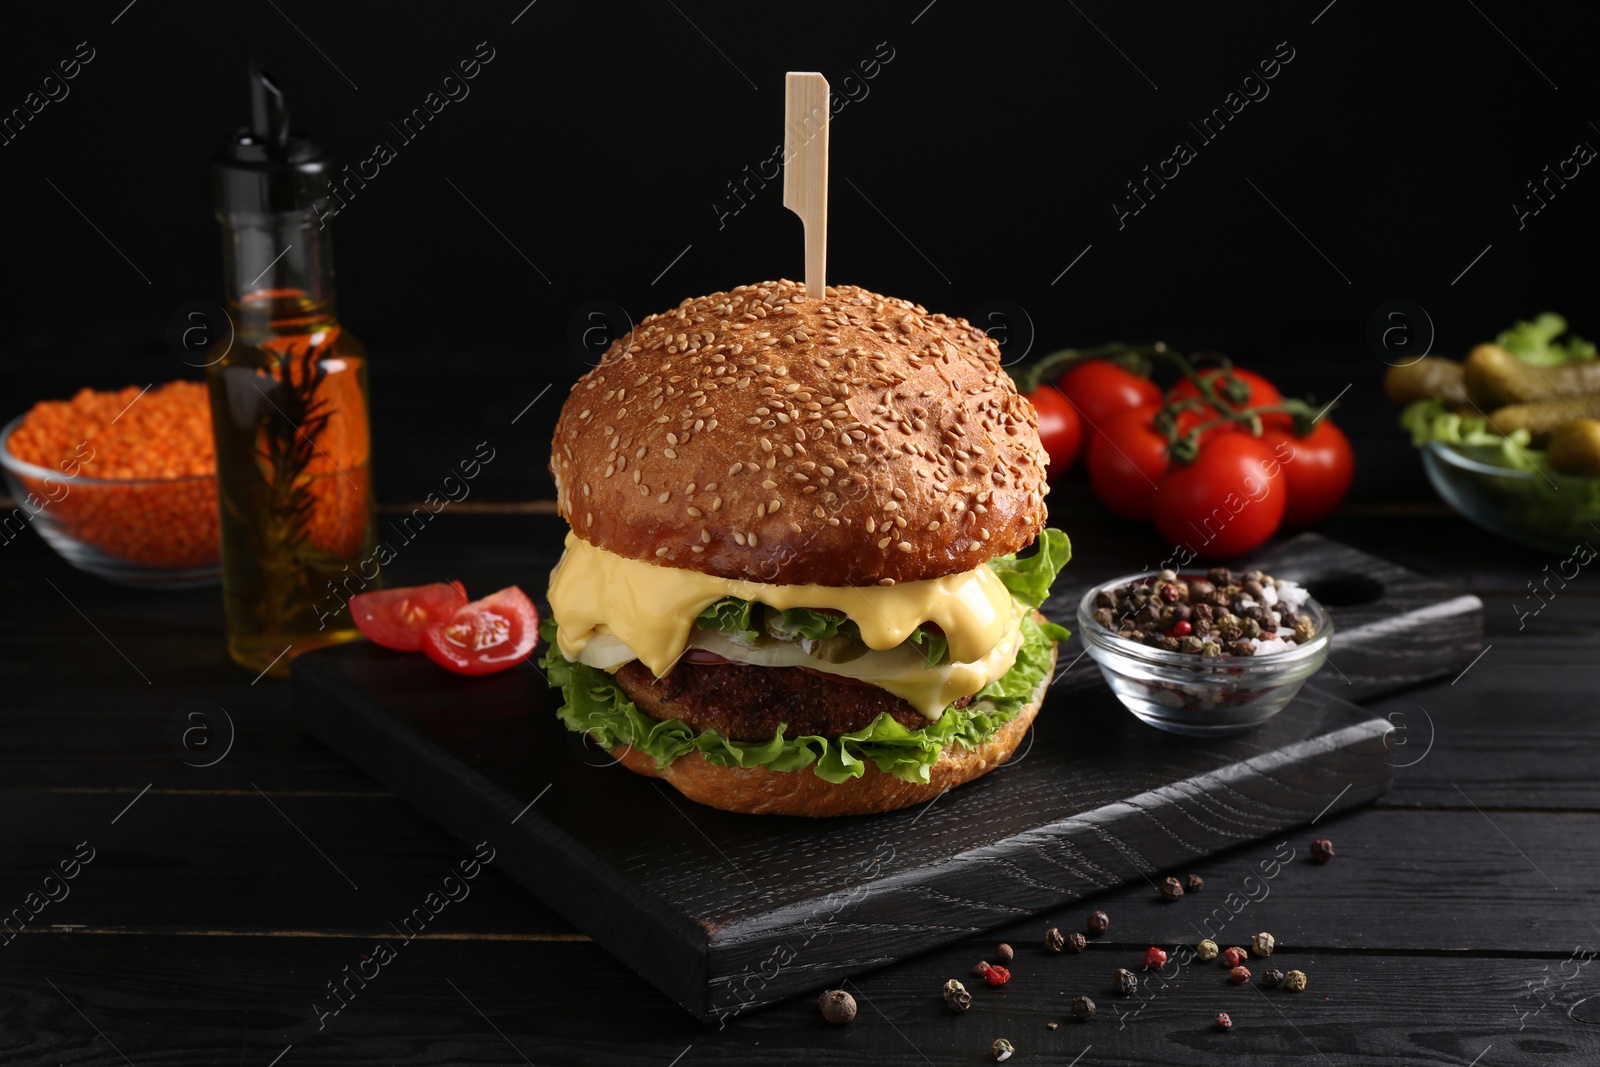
<point>792,582</point>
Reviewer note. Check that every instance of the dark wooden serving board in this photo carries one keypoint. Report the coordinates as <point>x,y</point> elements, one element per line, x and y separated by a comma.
<point>729,912</point>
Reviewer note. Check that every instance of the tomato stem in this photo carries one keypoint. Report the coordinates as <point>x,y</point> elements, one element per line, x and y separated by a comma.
<point>1133,358</point>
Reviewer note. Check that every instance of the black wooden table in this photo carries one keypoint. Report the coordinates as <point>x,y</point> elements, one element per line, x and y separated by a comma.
<point>228,879</point>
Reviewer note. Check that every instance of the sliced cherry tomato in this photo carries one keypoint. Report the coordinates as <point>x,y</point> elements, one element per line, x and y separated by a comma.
<point>487,635</point>
<point>1100,389</point>
<point>1060,429</point>
<point>1317,470</point>
<point>1227,502</point>
<point>396,618</point>
<point>1126,461</point>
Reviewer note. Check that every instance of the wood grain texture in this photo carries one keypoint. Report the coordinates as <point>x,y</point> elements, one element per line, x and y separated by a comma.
<point>806,114</point>
<point>725,911</point>
<point>173,1002</point>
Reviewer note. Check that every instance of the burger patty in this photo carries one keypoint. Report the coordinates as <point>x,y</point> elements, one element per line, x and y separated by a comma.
<point>748,703</point>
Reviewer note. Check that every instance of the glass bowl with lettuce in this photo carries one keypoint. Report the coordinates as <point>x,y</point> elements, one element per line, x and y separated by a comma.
<point>1510,437</point>
<point>594,704</point>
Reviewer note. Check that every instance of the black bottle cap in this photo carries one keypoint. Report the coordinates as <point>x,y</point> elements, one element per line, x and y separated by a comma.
<point>264,168</point>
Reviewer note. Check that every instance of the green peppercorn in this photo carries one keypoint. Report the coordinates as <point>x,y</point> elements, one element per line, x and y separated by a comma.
<point>956,997</point>
<point>1263,943</point>
<point>1295,981</point>
<point>1002,1049</point>
<point>837,1005</point>
<point>1207,950</point>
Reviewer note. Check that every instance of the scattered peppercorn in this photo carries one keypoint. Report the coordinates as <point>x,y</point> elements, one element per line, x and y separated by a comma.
<point>997,975</point>
<point>1002,1049</point>
<point>1172,889</point>
<point>1272,978</point>
<point>956,997</point>
<point>1232,957</point>
<point>1263,943</point>
<point>1154,958</point>
<point>1126,982</point>
<point>837,1005</point>
<point>1321,850</point>
<point>981,968</point>
<point>1004,953</point>
<point>1194,883</point>
<point>1207,950</point>
<point>1223,1022</point>
<point>1082,1009</point>
<point>1053,941</point>
<point>1239,975</point>
<point>1295,981</point>
<point>1076,942</point>
<point>1099,923</point>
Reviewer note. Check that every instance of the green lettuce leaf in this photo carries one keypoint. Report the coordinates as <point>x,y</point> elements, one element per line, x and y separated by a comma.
<point>1029,579</point>
<point>1535,342</point>
<point>1429,420</point>
<point>738,619</point>
<point>803,622</point>
<point>935,646</point>
<point>594,704</point>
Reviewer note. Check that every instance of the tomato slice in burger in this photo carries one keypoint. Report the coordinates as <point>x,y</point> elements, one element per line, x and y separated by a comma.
<point>487,635</point>
<point>396,618</point>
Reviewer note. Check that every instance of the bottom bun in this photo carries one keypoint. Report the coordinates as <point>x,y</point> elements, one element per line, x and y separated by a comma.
<point>759,791</point>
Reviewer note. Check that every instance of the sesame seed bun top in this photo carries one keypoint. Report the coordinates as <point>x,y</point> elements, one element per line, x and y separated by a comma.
<point>759,435</point>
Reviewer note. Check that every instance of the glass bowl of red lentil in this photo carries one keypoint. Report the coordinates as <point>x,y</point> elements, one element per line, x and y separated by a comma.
<point>1200,695</point>
<point>132,531</point>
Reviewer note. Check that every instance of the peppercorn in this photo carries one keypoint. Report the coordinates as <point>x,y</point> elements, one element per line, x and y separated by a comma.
<point>1053,941</point>
<point>1172,889</point>
<point>1252,589</point>
<point>1232,957</point>
<point>1210,648</point>
<point>1304,628</point>
<point>1099,923</point>
<point>1002,1049</point>
<point>981,968</point>
<point>1194,883</point>
<point>1076,942</point>
<point>956,997</point>
<point>1206,950</point>
<point>1154,958</point>
<point>1051,1026</point>
<point>1104,617</point>
<point>1239,975</point>
<point>1220,576</point>
<point>1241,648</point>
<point>1263,943</point>
<point>837,1005</point>
<point>1004,953</point>
<point>1272,978</point>
<point>1082,1009</point>
<point>1295,981</point>
<point>1223,1022</point>
<point>997,975</point>
<point>1321,850</point>
<point>1182,628</point>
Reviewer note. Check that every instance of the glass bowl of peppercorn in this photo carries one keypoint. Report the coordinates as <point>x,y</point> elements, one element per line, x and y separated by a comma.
<point>1204,654</point>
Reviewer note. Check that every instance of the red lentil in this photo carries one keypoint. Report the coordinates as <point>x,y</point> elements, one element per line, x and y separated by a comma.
<point>158,443</point>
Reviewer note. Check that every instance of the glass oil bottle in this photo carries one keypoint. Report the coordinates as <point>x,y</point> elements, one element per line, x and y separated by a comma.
<point>288,395</point>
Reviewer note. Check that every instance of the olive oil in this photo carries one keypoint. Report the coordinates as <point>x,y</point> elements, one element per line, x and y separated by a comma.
<point>288,392</point>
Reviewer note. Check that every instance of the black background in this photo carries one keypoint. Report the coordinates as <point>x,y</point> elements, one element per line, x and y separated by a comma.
<point>979,162</point>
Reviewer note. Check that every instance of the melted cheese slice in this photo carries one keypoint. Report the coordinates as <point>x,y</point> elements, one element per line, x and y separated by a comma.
<point>652,611</point>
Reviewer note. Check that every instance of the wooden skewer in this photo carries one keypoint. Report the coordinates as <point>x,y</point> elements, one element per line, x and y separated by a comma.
<point>805,169</point>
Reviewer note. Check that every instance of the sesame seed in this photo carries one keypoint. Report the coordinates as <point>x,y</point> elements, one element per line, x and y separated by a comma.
<point>738,537</point>
<point>661,551</point>
<point>693,512</point>
<point>884,542</point>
